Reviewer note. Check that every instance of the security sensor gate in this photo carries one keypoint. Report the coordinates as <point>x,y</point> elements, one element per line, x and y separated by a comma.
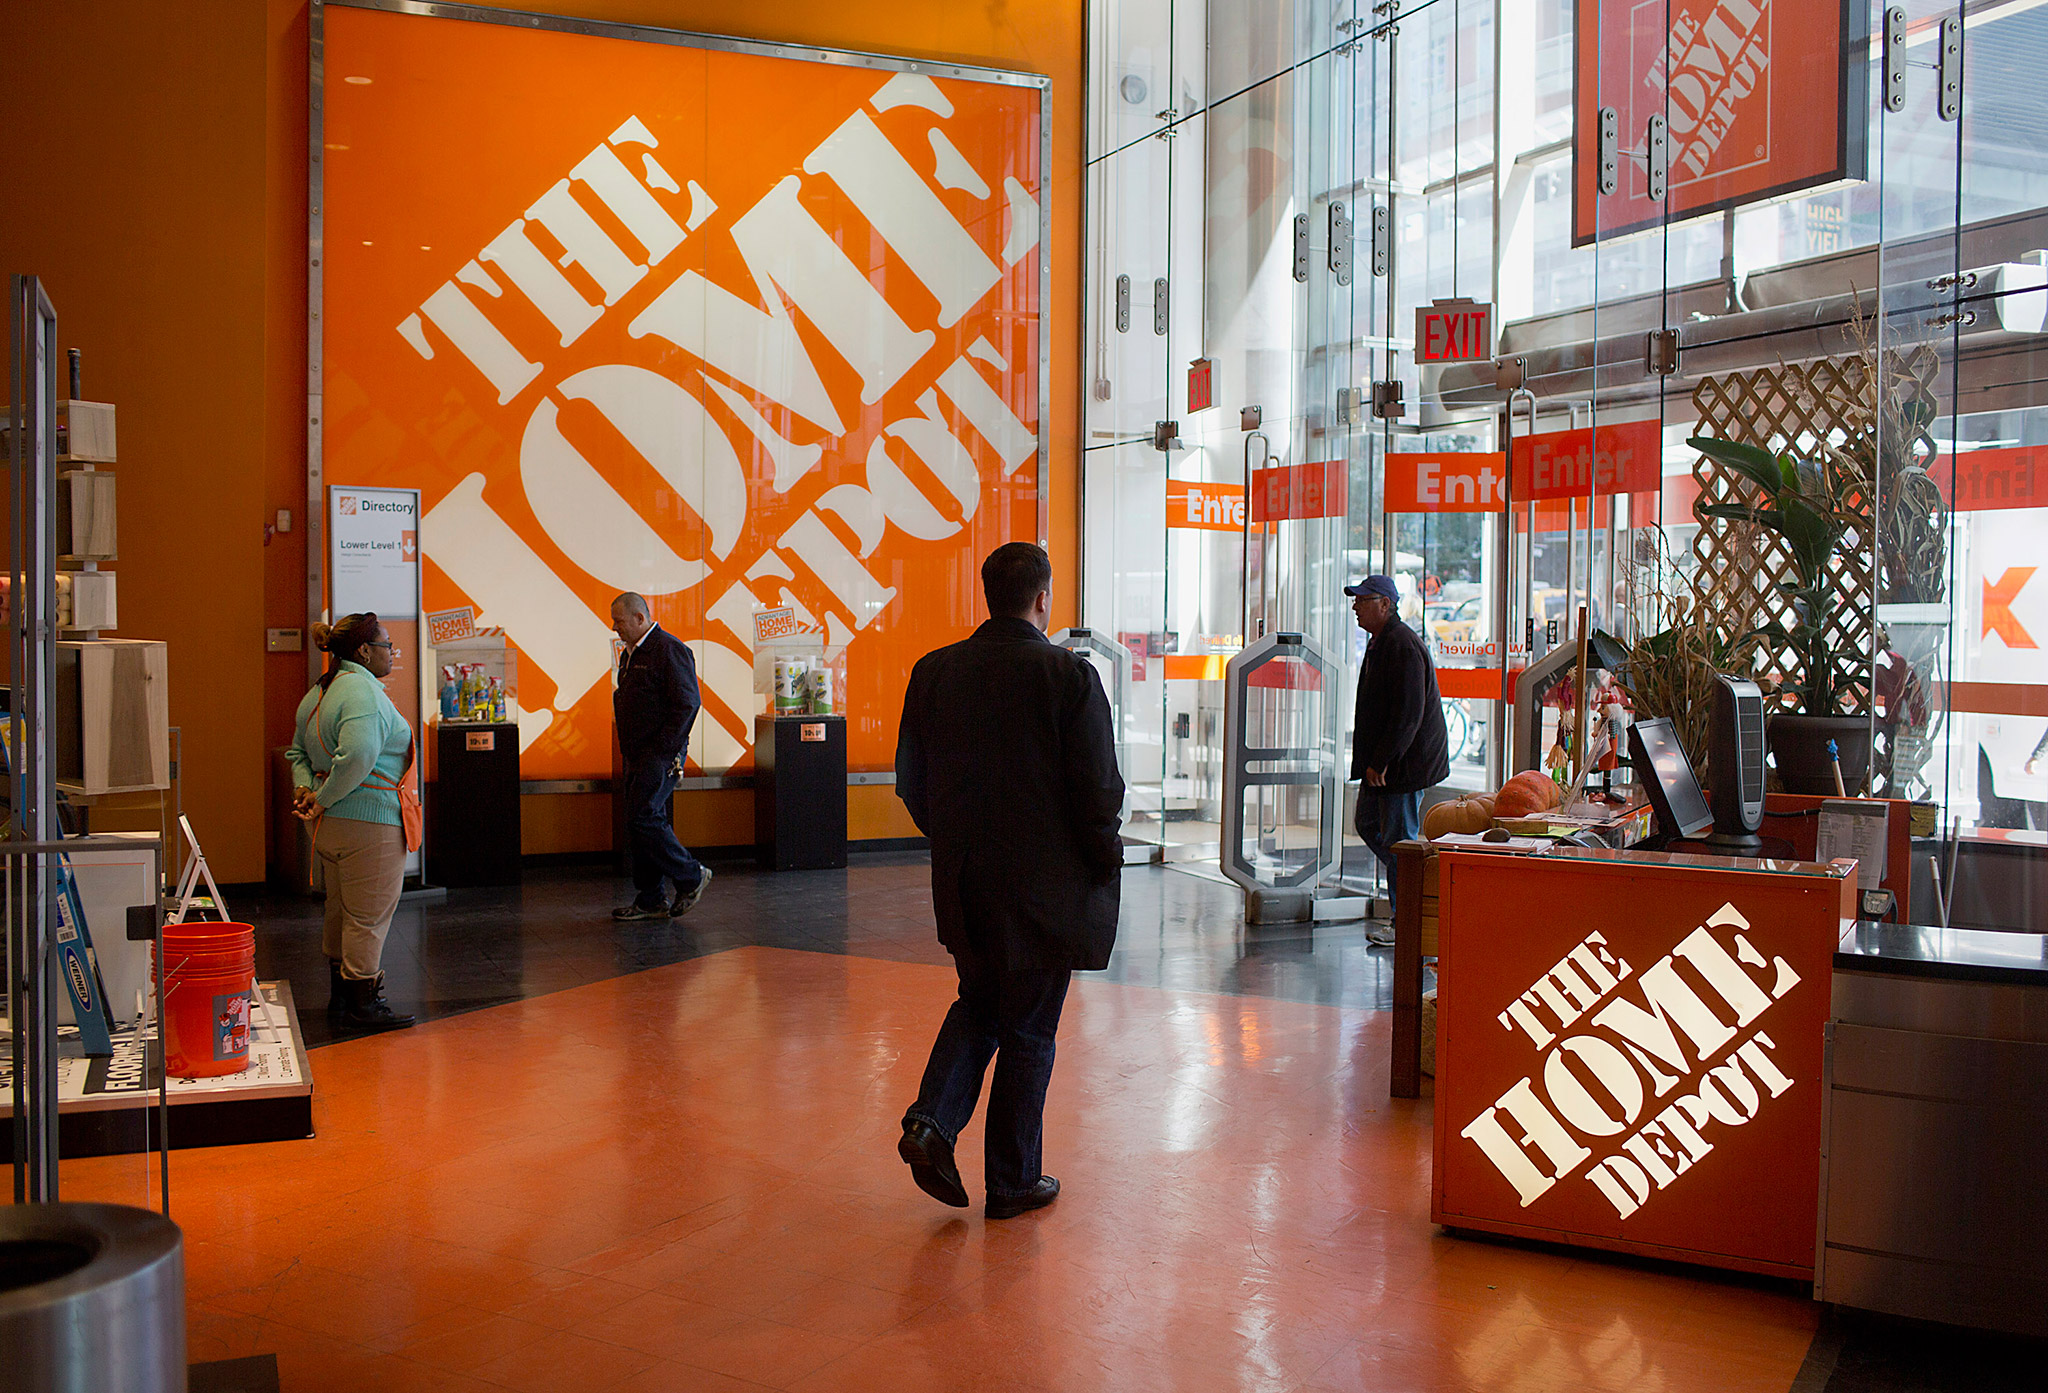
<point>1113,662</point>
<point>1281,788</point>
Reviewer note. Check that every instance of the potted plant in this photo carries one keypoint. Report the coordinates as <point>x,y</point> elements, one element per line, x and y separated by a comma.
<point>1804,504</point>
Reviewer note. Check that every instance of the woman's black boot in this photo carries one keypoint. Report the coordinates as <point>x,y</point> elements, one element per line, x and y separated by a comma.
<point>367,1008</point>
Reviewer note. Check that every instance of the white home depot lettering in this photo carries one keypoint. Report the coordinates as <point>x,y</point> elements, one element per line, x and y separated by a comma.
<point>725,374</point>
<point>1605,1052</point>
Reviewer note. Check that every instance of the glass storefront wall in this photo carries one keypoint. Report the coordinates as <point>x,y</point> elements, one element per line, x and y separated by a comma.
<point>1877,319</point>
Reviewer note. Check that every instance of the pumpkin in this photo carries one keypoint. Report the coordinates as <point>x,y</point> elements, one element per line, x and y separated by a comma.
<point>1526,795</point>
<point>1471,813</point>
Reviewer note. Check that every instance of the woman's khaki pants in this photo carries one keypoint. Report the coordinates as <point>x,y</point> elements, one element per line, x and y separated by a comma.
<point>362,868</point>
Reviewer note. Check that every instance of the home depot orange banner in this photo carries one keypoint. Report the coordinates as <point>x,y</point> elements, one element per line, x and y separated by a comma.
<point>1759,100</point>
<point>1457,482</point>
<point>1207,507</point>
<point>1609,459</point>
<point>732,330</point>
<point>1293,491</point>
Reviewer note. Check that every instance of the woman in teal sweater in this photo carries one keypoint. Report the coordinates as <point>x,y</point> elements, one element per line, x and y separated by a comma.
<point>351,765</point>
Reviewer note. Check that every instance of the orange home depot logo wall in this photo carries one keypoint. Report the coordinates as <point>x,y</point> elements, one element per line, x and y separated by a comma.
<point>733,331</point>
<point>1658,1084</point>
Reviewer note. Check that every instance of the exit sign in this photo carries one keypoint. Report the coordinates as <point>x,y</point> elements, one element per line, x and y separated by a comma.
<point>1453,331</point>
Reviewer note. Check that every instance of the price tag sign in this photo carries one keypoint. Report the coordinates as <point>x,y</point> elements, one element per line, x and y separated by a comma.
<point>812,731</point>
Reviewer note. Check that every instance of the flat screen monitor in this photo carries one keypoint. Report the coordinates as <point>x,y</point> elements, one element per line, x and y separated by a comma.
<point>1674,789</point>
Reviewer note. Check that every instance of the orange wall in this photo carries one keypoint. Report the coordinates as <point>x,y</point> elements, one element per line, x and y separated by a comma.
<point>167,148</point>
<point>136,183</point>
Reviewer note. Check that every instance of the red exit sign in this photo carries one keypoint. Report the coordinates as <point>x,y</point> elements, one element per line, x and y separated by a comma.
<point>1453,331</point>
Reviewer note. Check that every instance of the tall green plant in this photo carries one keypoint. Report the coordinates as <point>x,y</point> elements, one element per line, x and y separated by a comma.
<point>1803,504</point>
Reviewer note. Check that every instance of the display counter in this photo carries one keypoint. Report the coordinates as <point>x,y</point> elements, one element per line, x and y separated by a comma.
<point>1629,1050</point>
<point>1935,1124</point>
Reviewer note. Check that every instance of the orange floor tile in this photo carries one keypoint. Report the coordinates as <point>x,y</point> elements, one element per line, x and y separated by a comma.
<point>685,1179</point>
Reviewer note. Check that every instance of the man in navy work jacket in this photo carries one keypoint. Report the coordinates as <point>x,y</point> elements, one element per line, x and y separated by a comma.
<point>1007,761</point>
<point>1399,746</point>
<point>654,706</point>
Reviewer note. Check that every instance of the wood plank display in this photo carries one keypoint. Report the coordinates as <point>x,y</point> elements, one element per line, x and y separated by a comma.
<point>85,600</point>
<point>113,716</point>
<point>85,431</point>
<point>85,515</point>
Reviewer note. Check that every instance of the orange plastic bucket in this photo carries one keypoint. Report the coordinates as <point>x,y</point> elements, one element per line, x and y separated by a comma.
<point>207,970</point>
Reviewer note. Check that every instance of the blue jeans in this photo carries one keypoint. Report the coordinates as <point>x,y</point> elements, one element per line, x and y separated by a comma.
<point>1385,819</point>
<point>1011,1017</point>
<point>651,834</point>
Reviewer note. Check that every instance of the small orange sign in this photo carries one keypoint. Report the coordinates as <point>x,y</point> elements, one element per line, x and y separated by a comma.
<point>1203,506</point>
<point>1295,491</point>
<point>1432,482</point>
<point>480,740</point>
<point>1622,458</point>
<point>812,732</point>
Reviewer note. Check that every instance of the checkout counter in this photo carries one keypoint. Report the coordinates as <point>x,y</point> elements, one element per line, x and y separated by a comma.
<point>1629,1050</point>
<point>1934,1123</point>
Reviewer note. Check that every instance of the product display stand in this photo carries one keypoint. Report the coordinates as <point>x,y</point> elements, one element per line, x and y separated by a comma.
<point>475,810</point>
<point>800,792</point>
<point>188,887</point>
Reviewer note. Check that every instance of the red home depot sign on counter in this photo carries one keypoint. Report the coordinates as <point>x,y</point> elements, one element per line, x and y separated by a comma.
<point>1629,1053</point>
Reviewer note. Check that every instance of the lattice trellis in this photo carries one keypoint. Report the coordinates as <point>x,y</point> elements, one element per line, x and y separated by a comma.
<point>1812,410</point>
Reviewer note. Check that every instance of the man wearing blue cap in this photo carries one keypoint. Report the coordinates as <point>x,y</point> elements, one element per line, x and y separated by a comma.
<point>1398,743</point>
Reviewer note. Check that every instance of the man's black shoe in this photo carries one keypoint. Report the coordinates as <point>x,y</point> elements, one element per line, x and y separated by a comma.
<point>1010,1206</point>
<point>626,914</point>
<point>686,900</point>
<point>930,1157</point>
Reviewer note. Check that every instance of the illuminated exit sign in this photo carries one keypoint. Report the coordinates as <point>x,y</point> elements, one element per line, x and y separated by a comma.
<point>1453,331</point>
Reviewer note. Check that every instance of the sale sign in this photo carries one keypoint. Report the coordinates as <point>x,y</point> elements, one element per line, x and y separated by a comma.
<point>1760,97</point>
<point>1295,491</point>
<point>729,328</point>
<point>1609,459</point>
<point>1431,482</point>
<point>1203,506</point>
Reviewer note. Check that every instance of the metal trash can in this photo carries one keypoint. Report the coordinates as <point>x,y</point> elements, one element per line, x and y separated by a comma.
<point>92,1299</point>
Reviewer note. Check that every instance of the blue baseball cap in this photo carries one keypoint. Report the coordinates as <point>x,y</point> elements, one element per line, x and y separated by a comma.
<point>1382,586</point>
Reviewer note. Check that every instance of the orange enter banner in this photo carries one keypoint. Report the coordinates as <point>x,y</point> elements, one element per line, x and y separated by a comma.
<point>1978,481</point>
<point>1446,482</point>
<point>1621,458</point>
<point>1204,507</point>
<point>1291,491</point>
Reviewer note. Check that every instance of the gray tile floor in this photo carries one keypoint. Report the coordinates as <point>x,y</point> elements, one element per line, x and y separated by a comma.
<point>1181,929</point>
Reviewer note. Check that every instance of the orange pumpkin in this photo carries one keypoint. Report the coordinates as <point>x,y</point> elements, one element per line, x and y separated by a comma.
<point>1471,813</point>
<point>1526,795</point>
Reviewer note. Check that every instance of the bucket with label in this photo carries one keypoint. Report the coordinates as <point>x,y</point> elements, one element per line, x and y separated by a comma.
<point>207,970</point>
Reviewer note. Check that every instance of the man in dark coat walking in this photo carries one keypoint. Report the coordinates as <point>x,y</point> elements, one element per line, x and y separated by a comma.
<point>1399,746</point>
<point>654,706</point>
<point>1007,761</point>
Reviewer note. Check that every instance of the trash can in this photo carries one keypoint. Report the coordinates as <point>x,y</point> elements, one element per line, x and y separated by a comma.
<point>91,1296</point>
